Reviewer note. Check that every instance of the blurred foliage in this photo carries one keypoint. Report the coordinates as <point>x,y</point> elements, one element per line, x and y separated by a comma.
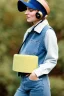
<point>12,28</point>
<point>57,12</point>
<point>57,86</point>
<point>61,56</point>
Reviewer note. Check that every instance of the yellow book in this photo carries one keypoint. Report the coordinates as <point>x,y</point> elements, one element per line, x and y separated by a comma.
<point>25,63</point>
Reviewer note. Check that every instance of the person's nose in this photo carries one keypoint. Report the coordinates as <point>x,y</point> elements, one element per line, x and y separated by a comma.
<point>26,12</point>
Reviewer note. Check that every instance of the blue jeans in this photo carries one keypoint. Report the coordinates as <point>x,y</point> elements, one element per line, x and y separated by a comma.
<point>40,87</point>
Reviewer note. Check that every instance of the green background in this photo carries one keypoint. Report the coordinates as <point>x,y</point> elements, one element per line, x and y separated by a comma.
<point>12,28</point>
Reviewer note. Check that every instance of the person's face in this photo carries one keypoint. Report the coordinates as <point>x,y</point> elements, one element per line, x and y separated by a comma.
<point>31,15</point>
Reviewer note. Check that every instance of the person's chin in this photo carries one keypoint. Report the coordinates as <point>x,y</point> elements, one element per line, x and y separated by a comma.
<point>28,20</point>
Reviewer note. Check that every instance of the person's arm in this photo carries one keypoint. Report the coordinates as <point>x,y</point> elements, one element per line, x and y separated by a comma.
<point>52,54</point>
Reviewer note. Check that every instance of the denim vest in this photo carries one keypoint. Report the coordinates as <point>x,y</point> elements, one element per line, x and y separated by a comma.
<point>35,45</point>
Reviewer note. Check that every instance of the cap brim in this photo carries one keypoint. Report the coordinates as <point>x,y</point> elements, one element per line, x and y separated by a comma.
<point>22,6</point>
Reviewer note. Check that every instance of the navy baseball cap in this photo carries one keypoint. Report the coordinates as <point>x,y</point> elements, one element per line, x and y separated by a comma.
<point>33,4</point>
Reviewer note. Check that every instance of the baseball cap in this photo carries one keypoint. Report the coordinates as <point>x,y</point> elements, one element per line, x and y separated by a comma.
<point>33,4</point>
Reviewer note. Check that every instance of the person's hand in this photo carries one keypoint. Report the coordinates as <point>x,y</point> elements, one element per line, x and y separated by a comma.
<point>33,76</point>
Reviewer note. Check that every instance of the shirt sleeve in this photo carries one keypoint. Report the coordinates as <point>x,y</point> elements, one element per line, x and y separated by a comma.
<point>52,54</point>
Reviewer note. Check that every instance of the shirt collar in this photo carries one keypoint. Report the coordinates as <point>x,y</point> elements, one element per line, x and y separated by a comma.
<point>39,27</point>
